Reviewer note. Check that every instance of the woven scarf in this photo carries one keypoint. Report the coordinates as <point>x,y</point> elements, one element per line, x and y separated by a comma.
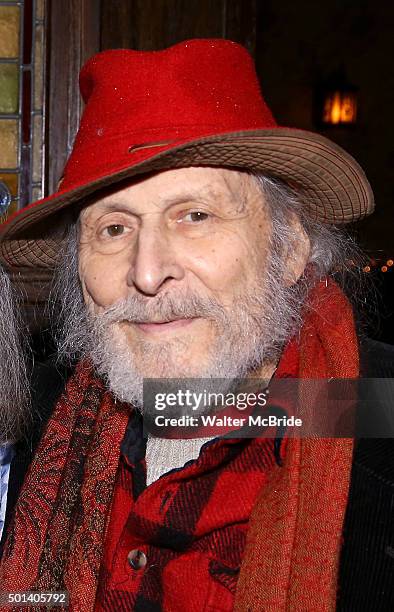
<point>57,536</point>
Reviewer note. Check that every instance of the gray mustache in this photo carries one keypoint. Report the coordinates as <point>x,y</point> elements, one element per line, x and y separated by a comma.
<point>136,309</point>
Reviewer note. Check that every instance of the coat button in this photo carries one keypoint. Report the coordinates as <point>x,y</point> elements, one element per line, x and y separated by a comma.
<point>137,559</point>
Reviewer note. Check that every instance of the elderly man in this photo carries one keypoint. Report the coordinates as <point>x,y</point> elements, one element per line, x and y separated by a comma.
<point>193,238</point>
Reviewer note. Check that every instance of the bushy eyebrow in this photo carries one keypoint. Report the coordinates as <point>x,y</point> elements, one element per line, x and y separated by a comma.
<point>115,205</point>
<point>202,195</point>
<point>207,194</point>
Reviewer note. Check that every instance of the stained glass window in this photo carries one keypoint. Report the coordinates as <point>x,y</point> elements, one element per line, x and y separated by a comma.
<point>22,73</point>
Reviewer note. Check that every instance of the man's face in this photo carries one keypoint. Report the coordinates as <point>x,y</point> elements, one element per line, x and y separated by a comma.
<point>177,242</point>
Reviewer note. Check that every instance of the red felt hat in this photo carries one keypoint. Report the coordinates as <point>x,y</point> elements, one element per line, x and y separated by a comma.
<point>196,103</point>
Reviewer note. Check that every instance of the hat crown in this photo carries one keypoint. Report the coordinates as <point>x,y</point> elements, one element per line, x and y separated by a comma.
<point>139,98</point>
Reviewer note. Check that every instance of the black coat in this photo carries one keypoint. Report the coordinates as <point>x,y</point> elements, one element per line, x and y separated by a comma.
<point>366,573</point>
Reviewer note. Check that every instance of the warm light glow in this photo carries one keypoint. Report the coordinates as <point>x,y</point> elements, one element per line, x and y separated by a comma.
<point>340,108</point>
<point>366,269</point>
<point>384,268</point>
<point>335,110</point>
<point>390,263</point>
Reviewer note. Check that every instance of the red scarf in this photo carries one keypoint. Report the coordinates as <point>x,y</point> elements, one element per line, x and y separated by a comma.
<point>57,537</point>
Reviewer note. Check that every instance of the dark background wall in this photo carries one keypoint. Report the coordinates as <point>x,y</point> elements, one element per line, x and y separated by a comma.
<point>155,24</point>
<point>298,44</point>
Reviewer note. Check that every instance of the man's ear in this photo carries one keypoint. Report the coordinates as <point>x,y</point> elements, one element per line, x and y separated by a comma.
<point>297,255</point>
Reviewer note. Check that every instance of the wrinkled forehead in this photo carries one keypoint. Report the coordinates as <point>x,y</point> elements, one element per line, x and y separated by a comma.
<point>231,189</point>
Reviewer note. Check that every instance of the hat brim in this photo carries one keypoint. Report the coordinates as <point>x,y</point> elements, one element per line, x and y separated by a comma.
<point>331,183</point>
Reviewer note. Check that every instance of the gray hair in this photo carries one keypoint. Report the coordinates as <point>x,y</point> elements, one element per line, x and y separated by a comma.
<point>14,405</point>
<point>331,254</point>
<point>332,250</point>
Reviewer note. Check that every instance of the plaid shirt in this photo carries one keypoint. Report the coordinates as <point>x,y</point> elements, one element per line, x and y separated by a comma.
<point>177,544</point>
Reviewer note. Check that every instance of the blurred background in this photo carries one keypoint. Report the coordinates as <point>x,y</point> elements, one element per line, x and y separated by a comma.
<point>323,66</point>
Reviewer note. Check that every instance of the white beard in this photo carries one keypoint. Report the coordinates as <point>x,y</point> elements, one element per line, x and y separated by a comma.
<point>240,345</point>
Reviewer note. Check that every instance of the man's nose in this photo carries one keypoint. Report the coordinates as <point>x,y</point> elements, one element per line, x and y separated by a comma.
<point>153,262</point>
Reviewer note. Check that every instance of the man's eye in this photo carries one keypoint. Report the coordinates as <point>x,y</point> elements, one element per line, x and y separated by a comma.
<point>196,216</point>
<point>115,230</point>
